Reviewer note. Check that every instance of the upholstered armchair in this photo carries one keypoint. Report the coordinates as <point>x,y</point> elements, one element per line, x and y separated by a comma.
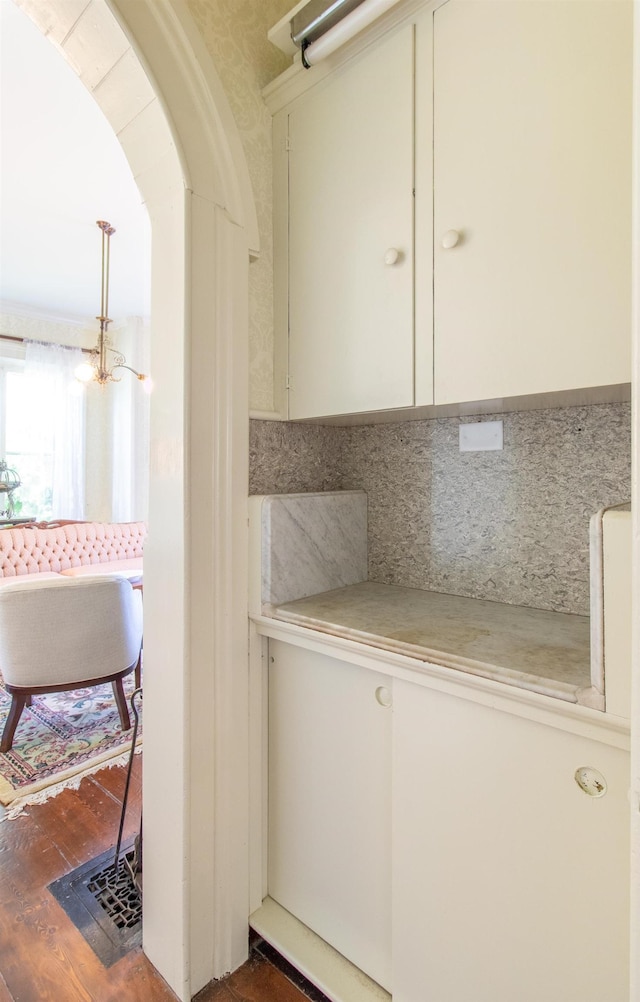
<point>66,633</point>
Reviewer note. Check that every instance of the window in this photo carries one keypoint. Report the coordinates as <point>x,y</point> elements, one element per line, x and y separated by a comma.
<point>29,411</point>
<point>28,445</point>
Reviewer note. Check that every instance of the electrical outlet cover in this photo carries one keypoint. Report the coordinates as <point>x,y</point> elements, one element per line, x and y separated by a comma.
<point>481,436</point>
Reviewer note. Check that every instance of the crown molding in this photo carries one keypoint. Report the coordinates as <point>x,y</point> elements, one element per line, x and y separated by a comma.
<point>22,311</point>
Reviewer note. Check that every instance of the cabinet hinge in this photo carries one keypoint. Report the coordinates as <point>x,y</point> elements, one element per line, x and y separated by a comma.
<point>287,144</point>
<point>287,383</point>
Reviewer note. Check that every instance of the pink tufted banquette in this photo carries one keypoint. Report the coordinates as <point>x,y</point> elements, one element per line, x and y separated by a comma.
<point>73,549</point>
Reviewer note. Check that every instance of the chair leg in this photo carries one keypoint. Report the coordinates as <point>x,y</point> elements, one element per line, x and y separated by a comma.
<point>137,672</point>
<point>121,703</point>
<point>18,701</point>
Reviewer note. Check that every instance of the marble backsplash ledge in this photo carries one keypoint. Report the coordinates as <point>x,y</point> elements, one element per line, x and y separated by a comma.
<point>312,543</point>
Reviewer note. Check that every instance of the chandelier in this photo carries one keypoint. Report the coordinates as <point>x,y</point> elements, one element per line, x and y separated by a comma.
<point>101,366</point>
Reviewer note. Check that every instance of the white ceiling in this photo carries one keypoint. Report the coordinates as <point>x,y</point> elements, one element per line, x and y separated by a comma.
<point>61,169</point>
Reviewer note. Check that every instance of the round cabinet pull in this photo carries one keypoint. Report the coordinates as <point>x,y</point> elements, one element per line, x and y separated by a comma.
<point>383,696</point>
<point>392,256</point>
<point>450,239</point>
<point>591,781</point>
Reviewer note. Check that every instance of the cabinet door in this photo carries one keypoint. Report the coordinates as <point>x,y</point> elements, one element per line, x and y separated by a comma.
<point>532,162</point>
<point>509,881</point>
<point>350,237</point>
<point>329,802</point>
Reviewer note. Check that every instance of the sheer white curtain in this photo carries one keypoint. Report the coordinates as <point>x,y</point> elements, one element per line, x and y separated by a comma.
<point>130,427</point>
<point>50,370</point>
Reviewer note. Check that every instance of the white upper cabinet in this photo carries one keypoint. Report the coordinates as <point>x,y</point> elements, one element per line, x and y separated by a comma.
<point>453,217</point>
<point>351,237</point>
<point>532,175</point>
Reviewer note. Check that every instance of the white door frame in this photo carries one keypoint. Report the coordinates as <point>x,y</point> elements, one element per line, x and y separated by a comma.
<point>635,505</point>
<point>146,65</point>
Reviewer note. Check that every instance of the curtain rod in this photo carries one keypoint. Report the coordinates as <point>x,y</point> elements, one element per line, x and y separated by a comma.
<point>21,340</point>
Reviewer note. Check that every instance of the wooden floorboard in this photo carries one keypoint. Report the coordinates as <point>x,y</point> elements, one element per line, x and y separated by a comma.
<point>255,981</point>
<point>43,956</point>
<point>4,991</point>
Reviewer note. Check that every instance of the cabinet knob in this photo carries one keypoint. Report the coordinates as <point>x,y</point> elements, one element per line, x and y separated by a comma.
<point>591,781</point>
<point>392,256</point>
<point>383,696</point>
<point>450,239</point>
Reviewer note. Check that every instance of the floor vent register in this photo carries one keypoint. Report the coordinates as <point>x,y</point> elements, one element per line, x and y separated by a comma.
<point>104,902</point>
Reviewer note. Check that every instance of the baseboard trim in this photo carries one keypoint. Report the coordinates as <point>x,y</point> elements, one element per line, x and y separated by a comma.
<point>323,966</point>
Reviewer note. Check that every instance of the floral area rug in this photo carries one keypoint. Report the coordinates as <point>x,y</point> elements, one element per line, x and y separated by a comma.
<point>60,739</point>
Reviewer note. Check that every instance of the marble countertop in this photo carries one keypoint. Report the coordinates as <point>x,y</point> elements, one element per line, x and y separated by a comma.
<point>547,652</point>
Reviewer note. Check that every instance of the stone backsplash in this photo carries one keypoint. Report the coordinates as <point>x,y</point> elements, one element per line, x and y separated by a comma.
<point>510,525</point>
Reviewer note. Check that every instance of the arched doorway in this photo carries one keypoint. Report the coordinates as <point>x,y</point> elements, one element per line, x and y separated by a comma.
<point>178,134</point>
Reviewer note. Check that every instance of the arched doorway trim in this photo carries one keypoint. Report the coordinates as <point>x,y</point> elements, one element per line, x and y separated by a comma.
<point>208,141</point>
<point>177,131</point>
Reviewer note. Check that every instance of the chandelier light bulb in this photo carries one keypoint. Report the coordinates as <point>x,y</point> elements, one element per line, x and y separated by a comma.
<point>84,372</point>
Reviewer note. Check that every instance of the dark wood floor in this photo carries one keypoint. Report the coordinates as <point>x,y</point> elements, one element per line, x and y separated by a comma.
<point>256,981</point>
<point>43,957</point>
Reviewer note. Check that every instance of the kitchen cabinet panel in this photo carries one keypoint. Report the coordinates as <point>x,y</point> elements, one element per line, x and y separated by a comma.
<point>532,168</point>
<point>509,881</point>
<point>488,142</point>
<point>329,843</point>
<point>351,236</point>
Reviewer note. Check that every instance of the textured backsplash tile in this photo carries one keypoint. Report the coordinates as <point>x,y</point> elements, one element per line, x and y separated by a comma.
<point>512,526</point>
<point>286,458</point>
<point>393,464</point>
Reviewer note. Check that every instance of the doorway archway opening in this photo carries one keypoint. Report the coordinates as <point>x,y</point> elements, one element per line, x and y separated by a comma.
<point>147,68</point>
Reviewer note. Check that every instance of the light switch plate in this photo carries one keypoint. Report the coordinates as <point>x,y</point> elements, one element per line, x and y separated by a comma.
<point>481,436</point>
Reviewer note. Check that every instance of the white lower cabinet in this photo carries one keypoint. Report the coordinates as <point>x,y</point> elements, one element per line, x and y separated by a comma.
<point>330,802</point>
<point>443,845</point>
<point>510,884</point>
